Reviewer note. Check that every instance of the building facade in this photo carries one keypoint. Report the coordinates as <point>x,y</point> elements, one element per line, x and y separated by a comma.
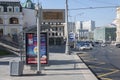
<point>52,21</point>
<point>11,17</point>
<point>89,25</point>
<point>105,34</point>
<point>55,18</point>
<point>84,29</point>
<point>118,25</point>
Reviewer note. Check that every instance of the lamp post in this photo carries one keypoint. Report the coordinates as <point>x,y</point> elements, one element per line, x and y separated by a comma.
<point>38,39</point>
<point>67,50</point>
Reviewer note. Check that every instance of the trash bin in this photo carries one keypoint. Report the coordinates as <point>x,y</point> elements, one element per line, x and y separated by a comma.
<point>16,68</point>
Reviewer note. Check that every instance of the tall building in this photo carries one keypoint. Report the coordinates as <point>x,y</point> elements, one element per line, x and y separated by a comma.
<point>118,25</point>
<point>89,25</point>
<point>84,29</point>
<point>78,26</point>
<point>11,17</point>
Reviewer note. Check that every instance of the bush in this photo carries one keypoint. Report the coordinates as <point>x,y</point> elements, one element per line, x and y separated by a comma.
<point>3,52</point>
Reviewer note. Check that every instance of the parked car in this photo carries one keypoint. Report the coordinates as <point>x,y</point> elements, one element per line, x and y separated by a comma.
<point>118,45</point>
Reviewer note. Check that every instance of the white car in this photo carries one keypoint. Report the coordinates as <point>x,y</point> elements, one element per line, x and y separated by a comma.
<point>103,45</point>
<point>86,47</point>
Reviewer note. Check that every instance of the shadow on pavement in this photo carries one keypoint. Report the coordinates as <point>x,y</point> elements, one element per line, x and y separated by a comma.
<point>26,75</point>
<point>57,49</point>
<point>4,62</point>
<point>62,62</point>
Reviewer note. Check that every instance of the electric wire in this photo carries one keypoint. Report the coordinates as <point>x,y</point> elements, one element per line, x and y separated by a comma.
<point>94,7</point>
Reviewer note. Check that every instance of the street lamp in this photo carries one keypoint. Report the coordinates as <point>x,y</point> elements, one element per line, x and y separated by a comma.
<point>38,8</point>
<point>67,50</point>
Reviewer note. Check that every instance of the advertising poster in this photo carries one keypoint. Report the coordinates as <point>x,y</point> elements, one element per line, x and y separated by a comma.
<point>31,48</point>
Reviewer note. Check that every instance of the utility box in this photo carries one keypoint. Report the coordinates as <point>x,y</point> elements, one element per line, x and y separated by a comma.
<point>16,68</point>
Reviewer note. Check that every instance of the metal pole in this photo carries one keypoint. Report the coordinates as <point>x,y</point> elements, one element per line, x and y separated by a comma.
<point>38,40</point>
<point>67,50</point>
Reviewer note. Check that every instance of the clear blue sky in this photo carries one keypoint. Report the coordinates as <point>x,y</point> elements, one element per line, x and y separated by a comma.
<point>102,16</point>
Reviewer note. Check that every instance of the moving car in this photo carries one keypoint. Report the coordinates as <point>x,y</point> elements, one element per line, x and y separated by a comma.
<point>84,46</point>
<point>103,45</point>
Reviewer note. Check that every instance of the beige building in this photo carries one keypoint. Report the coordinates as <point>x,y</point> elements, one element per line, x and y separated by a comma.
<point>117,22</point>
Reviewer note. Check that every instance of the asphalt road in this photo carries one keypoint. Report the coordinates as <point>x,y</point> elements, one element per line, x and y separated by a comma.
<point>103,61</point>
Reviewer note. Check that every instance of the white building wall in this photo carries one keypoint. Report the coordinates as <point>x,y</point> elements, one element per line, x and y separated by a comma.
<point>29,17</point>
<point>78,26</point>
<point>118,25</point>
<point>89,25</point>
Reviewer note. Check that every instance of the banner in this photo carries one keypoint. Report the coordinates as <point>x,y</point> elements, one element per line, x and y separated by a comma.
<point>31,48</point>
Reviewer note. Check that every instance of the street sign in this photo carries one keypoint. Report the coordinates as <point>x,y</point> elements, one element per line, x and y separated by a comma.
<point>71,36</point>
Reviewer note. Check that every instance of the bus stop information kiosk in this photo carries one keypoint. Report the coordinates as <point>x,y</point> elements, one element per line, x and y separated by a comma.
<point>31,49</point>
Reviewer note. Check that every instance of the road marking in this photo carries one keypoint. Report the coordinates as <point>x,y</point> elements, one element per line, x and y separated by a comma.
<point>103,68</point>
<point>95,62</point>
<point>103,75</point>
<point>106,79</point>
<point>84,54</point>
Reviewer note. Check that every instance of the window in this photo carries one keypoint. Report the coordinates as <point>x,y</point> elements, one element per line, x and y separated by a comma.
<point>1,8</point>
<point>16,9</point>
<point>29,5</point>
<point>1,21</point>
<point>14,20</point>
<point>56,34</point>
<point>10,9</point>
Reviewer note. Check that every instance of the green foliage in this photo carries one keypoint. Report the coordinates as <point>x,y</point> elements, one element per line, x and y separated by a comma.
<point>3,52</point>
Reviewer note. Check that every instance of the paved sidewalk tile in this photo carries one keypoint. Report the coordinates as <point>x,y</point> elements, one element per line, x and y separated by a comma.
<point>61,67</point>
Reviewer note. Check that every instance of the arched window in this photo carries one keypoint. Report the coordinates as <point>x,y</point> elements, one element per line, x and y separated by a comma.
<point>29,5</point>
<point>1,9</point>
<point>1,21</point>
<point>16,9</point>
<point>14,20</point>
<point>9,9</point>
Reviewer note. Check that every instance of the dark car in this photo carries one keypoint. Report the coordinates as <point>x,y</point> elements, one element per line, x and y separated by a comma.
<point>118,45</point>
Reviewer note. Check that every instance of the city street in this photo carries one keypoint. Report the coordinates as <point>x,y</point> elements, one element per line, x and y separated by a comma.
<point>103,61</point>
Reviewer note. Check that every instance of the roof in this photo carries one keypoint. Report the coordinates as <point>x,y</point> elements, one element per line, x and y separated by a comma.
<point>25,4</point>
<point>9,0</point>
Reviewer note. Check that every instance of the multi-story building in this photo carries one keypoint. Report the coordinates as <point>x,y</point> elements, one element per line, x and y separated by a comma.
<point>89,25</point>
<point>55,18</point>
<point>78,26</point>
<point>11,17</point>
<point>105,34</point>
<point>84,29</point>
<point>52,20</point>
<point>118,25</point>
<point>71,27</point>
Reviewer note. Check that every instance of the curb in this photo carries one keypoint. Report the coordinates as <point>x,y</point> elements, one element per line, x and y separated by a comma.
<point>87,71</point>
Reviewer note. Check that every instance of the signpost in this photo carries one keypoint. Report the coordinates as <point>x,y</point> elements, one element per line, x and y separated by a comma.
<point>71,36</point>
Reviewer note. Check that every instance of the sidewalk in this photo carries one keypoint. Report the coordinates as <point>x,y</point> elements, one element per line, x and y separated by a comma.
<point>62,67</point>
